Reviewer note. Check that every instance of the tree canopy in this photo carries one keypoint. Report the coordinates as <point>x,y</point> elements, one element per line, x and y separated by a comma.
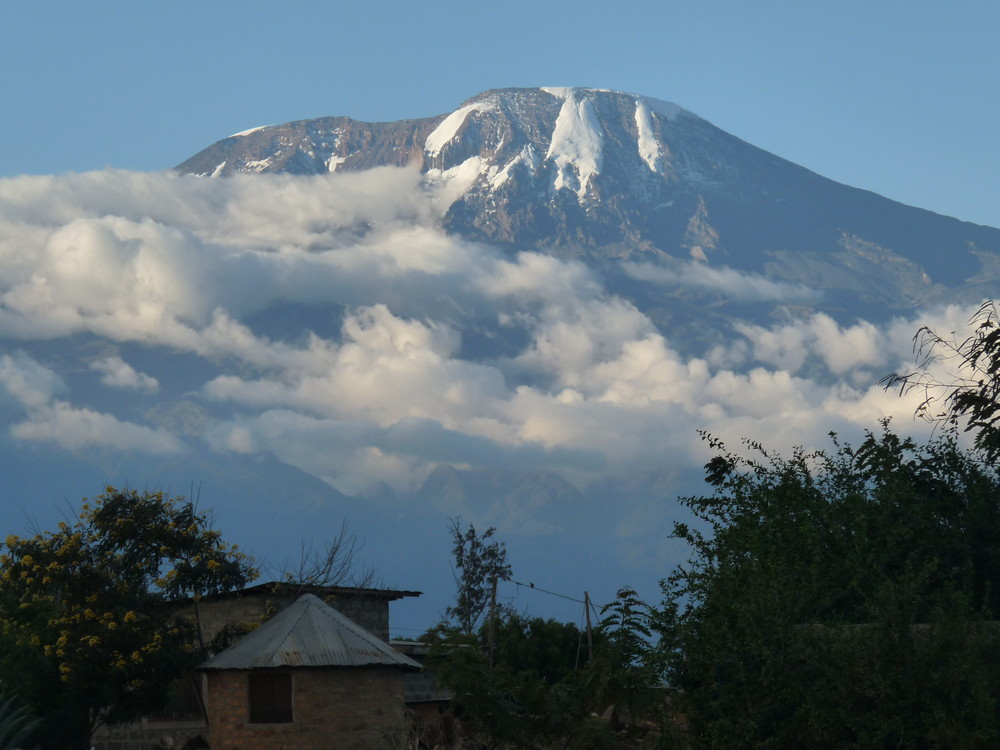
<point>839,598</point>
<point>528,682</point>
<point>480,562</point>
<point>89,612</point>
<point>842,598</point>
<point>970,396</point>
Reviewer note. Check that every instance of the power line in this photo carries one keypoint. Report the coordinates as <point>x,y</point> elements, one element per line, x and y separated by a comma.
<point>533,587</point>
<point>587,606</point>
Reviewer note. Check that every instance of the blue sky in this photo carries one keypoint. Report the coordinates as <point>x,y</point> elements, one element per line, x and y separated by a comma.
<point>126,294</point>
<point>895,97</point>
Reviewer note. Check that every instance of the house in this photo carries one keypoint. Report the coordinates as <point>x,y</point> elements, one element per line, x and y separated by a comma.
<point>308,678</point>
<point>184,722</point>
<point>368,607</point>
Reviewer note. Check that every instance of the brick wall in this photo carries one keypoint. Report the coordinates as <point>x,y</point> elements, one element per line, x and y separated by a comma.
<point>332,709</point>
<point>370,612</point>
<point>145,735</point>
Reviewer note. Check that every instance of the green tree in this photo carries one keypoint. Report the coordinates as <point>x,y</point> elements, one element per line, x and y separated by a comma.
<point>531,695</point>
<point>625,665</point>
<point>480,562</point>
<point>460,657</point>
<point>969,398</point>
<point>540,648</point>
<point>536,687</point>
<point>90,632</point>
<point>841,599</point>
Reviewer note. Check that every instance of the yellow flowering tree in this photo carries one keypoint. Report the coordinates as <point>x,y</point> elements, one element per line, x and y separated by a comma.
<point>88,628</point>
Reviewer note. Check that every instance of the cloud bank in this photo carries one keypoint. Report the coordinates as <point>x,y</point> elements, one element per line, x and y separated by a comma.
<point>728,282</point>
<point>336,327</point>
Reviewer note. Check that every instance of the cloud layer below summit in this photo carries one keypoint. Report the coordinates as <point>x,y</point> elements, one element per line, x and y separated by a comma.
<point>378,385</point>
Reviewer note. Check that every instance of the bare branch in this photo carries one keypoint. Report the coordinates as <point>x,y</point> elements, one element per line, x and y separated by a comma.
<point>970,397</point>
<point>335,563</point>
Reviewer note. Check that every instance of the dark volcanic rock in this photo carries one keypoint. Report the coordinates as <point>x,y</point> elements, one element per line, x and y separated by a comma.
<point>607,176</point>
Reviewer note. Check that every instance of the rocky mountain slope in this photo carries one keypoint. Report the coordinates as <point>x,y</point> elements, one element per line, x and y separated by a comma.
<point>609,177</point>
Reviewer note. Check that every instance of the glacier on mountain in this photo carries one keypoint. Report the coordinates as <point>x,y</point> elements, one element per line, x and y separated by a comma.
<point>649,147</point>
<point>577,146</point>
<point>444,133</point>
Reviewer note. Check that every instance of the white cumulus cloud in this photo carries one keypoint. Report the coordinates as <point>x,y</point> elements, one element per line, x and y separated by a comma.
<point>736,285</point>
<point>118,373</point>
<point>331,322</point>
<point>57,421</point>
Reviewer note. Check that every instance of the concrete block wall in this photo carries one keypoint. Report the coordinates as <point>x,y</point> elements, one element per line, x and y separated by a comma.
<point>145,735</point>
<point>371,613</point>
<point>332,709</point>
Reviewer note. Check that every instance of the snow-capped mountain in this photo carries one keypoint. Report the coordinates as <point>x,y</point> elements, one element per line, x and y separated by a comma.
<point>521,312</point>
<point>607,175</point>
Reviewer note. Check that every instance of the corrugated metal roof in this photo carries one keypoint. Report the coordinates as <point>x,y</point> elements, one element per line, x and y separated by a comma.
<point>281,588</point>
<point>273,587</point>
<point>309,633</point>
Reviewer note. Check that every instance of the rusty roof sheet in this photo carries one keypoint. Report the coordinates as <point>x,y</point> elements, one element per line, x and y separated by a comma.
<point>309,633</point>
<point>273,587</point>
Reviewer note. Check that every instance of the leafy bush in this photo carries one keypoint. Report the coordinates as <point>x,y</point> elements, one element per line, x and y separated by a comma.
<point>840,599</point>
<point>16,724</point>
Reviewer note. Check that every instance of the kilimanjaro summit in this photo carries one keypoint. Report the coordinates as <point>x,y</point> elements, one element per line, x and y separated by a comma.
<point>521,312</point>
<point>642,187</point>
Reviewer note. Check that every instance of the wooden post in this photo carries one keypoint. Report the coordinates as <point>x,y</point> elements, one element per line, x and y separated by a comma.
<point>590,637</point>
<point>493,618</point>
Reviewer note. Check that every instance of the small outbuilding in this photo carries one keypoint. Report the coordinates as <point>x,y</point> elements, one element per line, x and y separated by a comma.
<point>307,679</point>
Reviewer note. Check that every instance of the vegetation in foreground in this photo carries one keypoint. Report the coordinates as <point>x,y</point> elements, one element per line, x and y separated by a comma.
<point>843,598</point>
<point>840,600</point>
<point>88,632</point>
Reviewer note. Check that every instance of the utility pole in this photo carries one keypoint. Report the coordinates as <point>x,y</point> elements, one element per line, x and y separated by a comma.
<point>493,617</point>
<point>590,637</point>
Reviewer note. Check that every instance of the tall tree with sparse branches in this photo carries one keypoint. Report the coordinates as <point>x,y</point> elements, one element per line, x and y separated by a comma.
<point>480,561</point>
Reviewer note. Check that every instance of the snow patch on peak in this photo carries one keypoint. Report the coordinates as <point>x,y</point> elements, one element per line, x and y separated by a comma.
<point>564,92</point>
<point>528,157</point>
<point>577,146</point>
<point>250,131</point>
<point>450,125</point>
<point>560,92</point>
<point>667,109</point>
<point>258,165</point>
<point>448,185</point>
<point>649,147</point>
